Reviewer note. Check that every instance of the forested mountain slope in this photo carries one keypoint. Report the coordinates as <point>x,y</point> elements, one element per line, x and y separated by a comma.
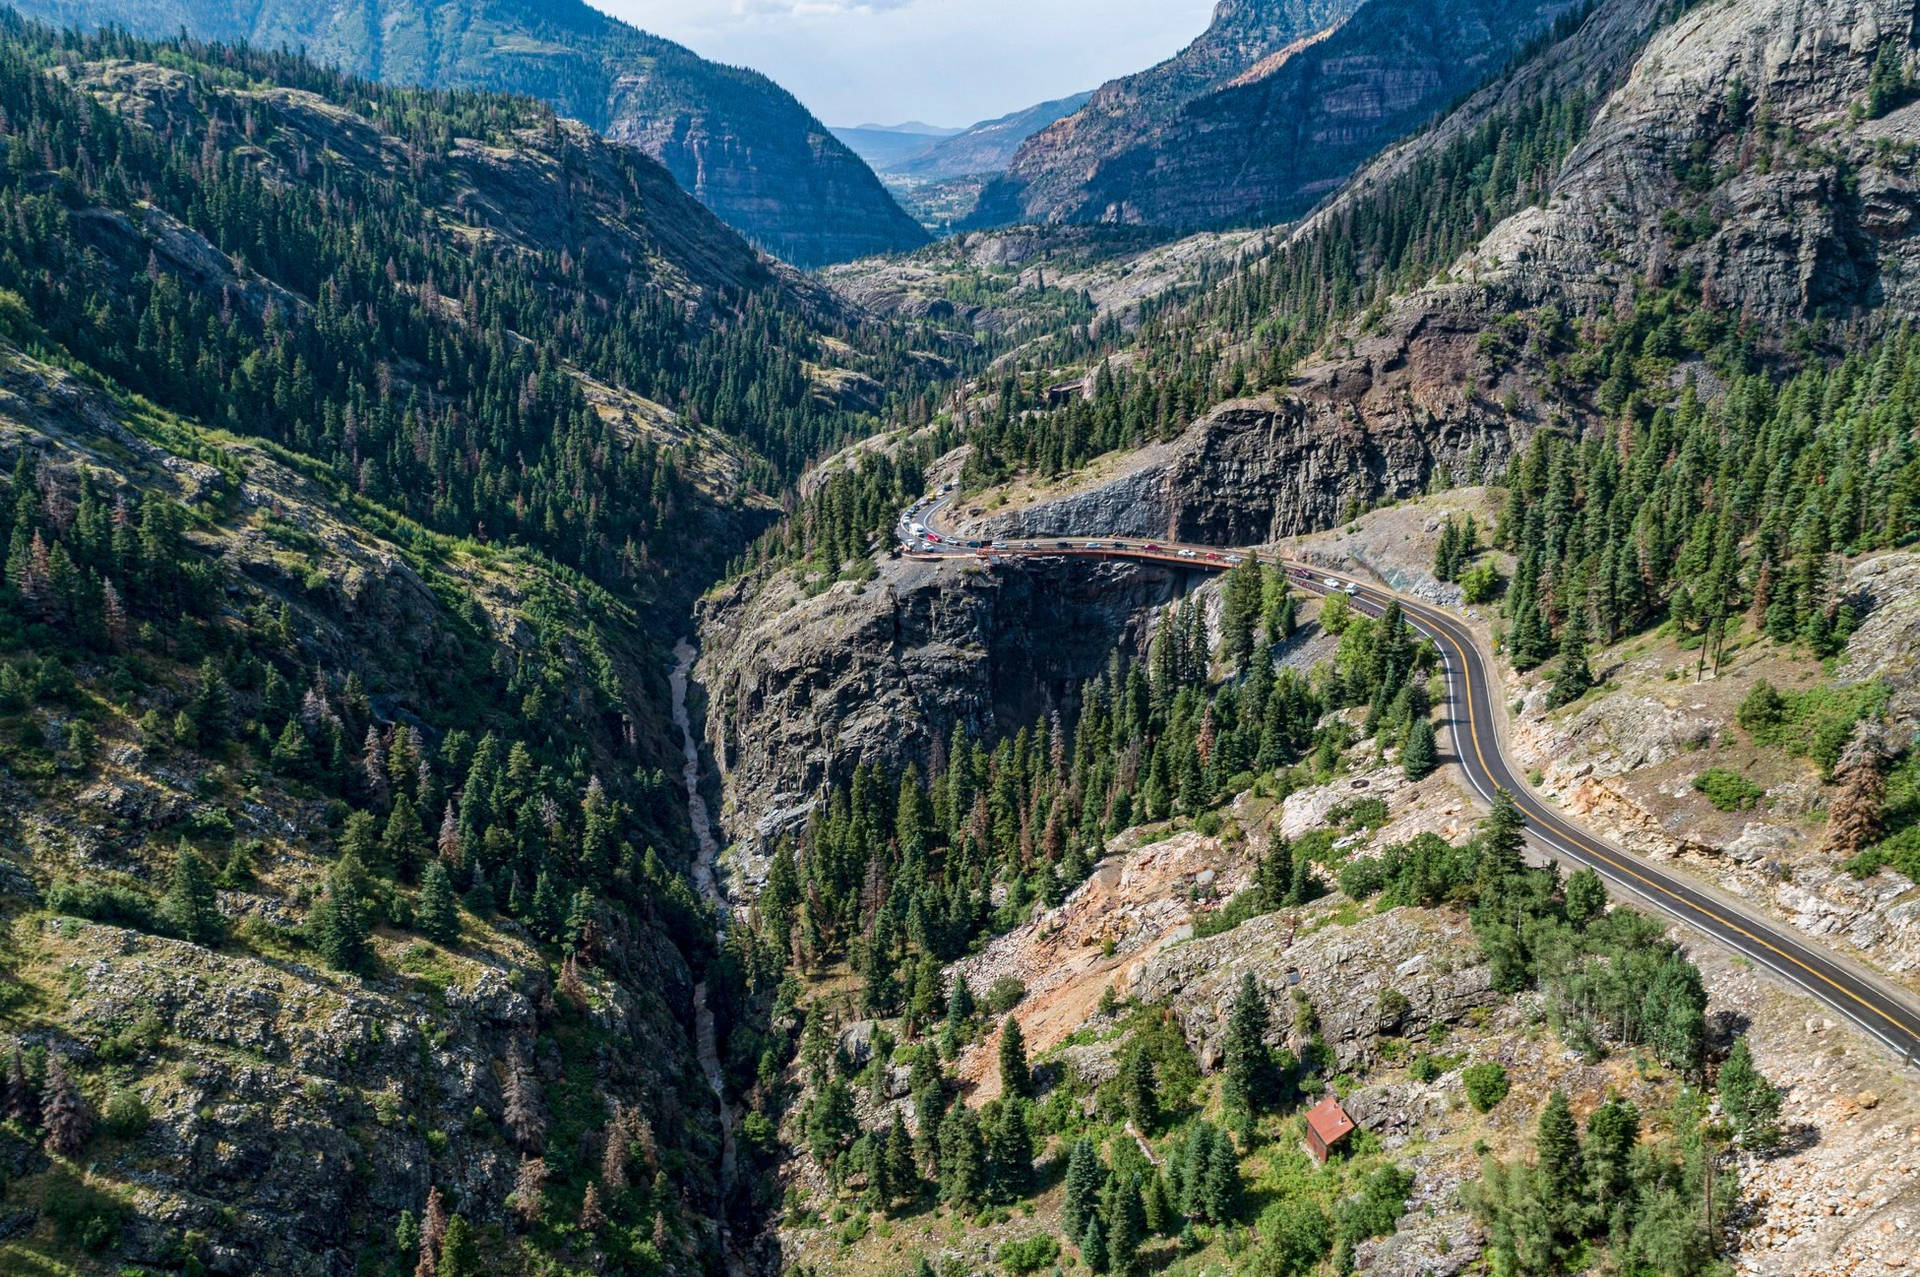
<point>360,446</point>
<point>736,140</point>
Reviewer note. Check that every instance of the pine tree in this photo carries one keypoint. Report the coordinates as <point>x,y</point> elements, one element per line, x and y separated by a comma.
<point>64,1109</point>
<point>1093,1246</point>
<point>436,915</point>
<point>529,1196</point>
<point>1127,1228</point>
<point>1082,1188</point>
<point>459,1254</point>
<point>433,1231</point>
<point>1613,1131</point>
<point>1142,1092</point>
<point>1856,819</point>
<point>1421,754</point>
<point>593,1215</point>
<point>1010,1151</point>
<point>1162,1219</point>
<point>1586,897</point>
<point>1502,840</point>
<point>959,1002</point>
<point>521,1112</point>
<point>403,844</point>
<point>1562,1172</point>
<point>23,1102</point>
<point>1251,1083</point>
<point>1241,600</point>
<point>339,925</point>
<point>1015,1078</point>
<point>1575,676</point>
<point>191,908</point>
<point>1751,1102</point>
<point>963,1160</point>
<point>1220,1187</point>
<point>614,1146</point>
<point>903,1176</point>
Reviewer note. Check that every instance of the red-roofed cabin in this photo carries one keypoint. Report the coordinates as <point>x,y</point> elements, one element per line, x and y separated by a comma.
<point>1327,1125</point>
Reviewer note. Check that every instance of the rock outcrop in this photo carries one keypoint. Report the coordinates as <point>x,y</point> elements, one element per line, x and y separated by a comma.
<point>1341,972</point>
<point>801,690</point>
<point>1408,410</point>
<point>738,142</point>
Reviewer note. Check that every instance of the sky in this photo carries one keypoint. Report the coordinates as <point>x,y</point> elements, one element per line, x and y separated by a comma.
<point>943,62</point>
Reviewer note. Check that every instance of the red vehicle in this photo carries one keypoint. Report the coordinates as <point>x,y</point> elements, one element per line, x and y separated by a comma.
<point>934,537</point>
<point>1213,556</point>
<point>1151,548</point>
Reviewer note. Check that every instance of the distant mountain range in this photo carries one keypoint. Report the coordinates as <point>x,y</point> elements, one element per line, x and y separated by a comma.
<point>884,146</point>
<point>925,152</point>
<point>741,144</point>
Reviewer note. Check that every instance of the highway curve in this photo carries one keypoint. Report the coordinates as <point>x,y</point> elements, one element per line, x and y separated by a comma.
<point>1474,717</point>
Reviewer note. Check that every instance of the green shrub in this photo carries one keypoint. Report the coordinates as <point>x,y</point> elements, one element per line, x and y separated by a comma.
<point>1481,583</point>
<point>1244,905</point>
<point>1005,994</point>
<point>1728,790</point>
<point>83,1216</point>
<point>102,902</point>
<point>1486,1085</point>
<point>1029,1254</point>
<point>124,1115</point>
<point>1813,724</point>
<point>1361,813</point>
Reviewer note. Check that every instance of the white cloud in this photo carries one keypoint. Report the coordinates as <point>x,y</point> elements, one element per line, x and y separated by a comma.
<point>944,61</point>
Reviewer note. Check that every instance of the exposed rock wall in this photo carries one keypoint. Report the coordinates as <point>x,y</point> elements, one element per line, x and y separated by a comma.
<point>803,690</point>
<point>1050,176</point>
<point>1428,957</point>
<point>1408,409</point>
<point>1269,121</point>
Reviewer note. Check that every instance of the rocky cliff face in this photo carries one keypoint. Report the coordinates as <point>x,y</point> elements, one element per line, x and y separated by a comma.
<point>1314,97</point>
<point>1048,177</point>
<point>741,144</point>
<point>1408,409</point>
<point>1733,144</point>
<point>801,690</point>
<point>1429,958</point>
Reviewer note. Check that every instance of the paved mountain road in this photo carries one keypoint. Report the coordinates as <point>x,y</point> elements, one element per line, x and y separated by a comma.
<point>1475,719</point>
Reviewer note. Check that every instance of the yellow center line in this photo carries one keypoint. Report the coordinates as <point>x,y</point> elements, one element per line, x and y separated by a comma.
<point>1441,627</point>
<point>1567,832</point>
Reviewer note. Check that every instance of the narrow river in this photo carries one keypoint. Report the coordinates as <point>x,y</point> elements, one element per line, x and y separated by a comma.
<point>706,880</point>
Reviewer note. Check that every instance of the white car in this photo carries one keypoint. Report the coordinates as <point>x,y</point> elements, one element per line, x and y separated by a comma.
<point>1330,583</point>
<point>1027,545</point>
<point>1188,554</point>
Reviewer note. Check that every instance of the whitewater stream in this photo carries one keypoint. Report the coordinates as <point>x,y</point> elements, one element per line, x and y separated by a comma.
<point>706,880</point>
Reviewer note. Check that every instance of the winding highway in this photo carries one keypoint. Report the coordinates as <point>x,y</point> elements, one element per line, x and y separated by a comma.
<point>1475,718</point>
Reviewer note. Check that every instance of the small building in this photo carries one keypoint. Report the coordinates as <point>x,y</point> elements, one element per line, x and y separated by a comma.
<point>1327,1125</point>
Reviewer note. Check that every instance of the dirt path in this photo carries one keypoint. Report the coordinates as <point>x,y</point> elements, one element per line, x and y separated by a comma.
<point>704,878</point>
